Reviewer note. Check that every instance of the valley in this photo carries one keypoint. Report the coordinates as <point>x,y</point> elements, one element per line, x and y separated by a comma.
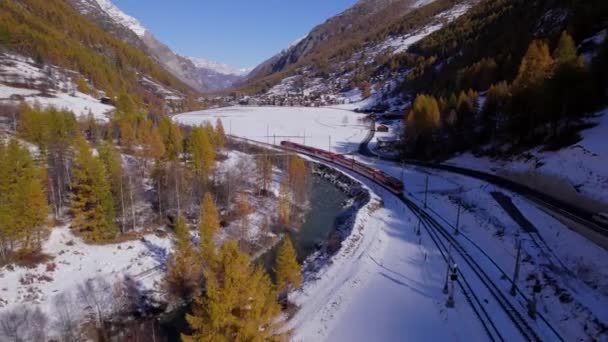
<point>406,170</point>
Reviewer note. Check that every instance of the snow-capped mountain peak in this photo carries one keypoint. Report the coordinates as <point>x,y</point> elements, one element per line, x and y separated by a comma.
<point>220,68</point>
<point>121,17</point>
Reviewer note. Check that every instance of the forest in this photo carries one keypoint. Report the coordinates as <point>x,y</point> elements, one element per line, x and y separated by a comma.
<point>511,89</point>
<point>118,181</point>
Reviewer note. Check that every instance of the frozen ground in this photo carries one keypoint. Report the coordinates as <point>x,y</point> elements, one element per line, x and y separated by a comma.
<point>574,296</point>
<point>383,285</point>
<point>583,165</point>
<point>75,262</point>
<point>317,127</point>
<point>21,79</point>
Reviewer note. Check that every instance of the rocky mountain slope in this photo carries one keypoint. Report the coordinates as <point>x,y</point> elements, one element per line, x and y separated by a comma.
<point>202,77</point>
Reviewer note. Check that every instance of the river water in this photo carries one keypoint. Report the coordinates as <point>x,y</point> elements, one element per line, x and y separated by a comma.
<point>326,205</point>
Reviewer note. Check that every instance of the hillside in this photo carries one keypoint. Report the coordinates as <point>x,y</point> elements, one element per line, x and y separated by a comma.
<point>53,33</point>
<point>202,77</point>
<point>350,46</point>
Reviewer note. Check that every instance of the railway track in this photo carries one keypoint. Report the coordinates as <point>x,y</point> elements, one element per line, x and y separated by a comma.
<point>443,240</point>
<point>440,233</point>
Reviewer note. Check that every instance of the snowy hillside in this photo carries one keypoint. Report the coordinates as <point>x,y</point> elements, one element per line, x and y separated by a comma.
<point>121,17</point>
<point>583,166</point>
<point>218,67</point>
<point>336,88</point>
<point>23,80</point>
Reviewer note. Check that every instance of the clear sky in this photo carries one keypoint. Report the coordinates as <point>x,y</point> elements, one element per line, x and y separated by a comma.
<point>241,33</point>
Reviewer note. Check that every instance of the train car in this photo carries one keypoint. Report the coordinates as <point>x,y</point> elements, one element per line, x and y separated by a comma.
<point>391,183</point>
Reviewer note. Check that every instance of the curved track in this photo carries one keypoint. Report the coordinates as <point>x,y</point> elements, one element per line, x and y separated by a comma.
<point>572,212</point>
<point>442,237</point>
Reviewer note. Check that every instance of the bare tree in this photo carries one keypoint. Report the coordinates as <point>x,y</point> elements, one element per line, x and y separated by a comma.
<point>97,295</point>
<point>66,320</point>
<point>23,324</point>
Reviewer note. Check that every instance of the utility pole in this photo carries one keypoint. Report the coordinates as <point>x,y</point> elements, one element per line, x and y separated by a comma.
<point>516,273</point>
<point>426,190</point>
<point>447,272</point>
<point>304,137</point>
<point>418,227</point>
<point>532,302</point>
<point>450,303</point>
<point>458,220</point>
<point>274,141</point>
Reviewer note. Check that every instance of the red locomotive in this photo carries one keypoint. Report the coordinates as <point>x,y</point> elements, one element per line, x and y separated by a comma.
<point>391,183</point>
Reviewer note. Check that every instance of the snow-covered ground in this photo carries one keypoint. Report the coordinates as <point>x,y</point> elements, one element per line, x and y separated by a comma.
<point>383,285</point>
<point>568,265</point>
<point>317,127</point>
<point>74,262</point>
<point>583,165</point>
<point>21,79</point>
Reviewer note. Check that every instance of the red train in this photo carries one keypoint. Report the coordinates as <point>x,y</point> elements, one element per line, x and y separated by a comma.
<point>391,183</point>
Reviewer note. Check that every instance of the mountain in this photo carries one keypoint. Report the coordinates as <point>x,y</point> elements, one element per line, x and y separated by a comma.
<point>363,17</point>
<point>57,36</point>
<point>219,76</point>
<point>200,74</point>
<point>340,55</point>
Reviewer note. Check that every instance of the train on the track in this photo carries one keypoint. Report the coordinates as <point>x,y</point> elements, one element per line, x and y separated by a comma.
<point>391,183</point>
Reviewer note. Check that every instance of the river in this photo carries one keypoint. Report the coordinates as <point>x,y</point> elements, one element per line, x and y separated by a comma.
<point>326,205</point>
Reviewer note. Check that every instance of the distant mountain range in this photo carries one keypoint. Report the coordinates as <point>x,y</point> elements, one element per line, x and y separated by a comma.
<point>201,74</point>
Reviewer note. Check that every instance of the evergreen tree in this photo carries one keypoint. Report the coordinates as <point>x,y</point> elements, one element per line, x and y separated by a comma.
<point>92,206</point>
<point>220,134</point>
<point>288,271</point>
<point>284,205</point>
<point>23,202</point>
<point>297,175</point>
<point>424,116</point>
<point>264,168</point>
<point>239,303</point>
<point>112,161</point>
<point>535,67</point>
<point>181,274</point>
<point>208,227</point>
<point>571,92</point>
<point>172,138</point>
<point>202,154</point>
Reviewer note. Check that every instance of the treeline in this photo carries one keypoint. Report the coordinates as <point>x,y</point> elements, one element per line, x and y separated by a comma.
<point>51,31</point>
<point>111,180</point>
<point>98,174</point>
<point>550,91</point>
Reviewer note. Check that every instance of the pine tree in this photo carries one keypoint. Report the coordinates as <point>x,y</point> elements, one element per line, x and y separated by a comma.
<point>220,134</point>
<point>92,206</point>
<point>119,187</point>
<point>202,154</point>
<point>571,93</point>
<point>208,227</point>
<point>172,138</point>
<point>288,271</point>
<point>264,168</point>
<point>23,201</point>
<point>181,274</point>
<point>298,179</point>
<point>284,205</point>
<point>424,115</point>
<point>239,303</point>
<point>535,66</point>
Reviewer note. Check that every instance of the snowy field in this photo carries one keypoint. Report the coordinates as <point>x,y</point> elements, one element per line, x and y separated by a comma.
<point>583,165</point>
<point>48,86</point>
<point>324,127</point>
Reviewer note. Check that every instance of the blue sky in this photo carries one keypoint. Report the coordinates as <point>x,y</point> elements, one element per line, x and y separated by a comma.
<point>241,33</point>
